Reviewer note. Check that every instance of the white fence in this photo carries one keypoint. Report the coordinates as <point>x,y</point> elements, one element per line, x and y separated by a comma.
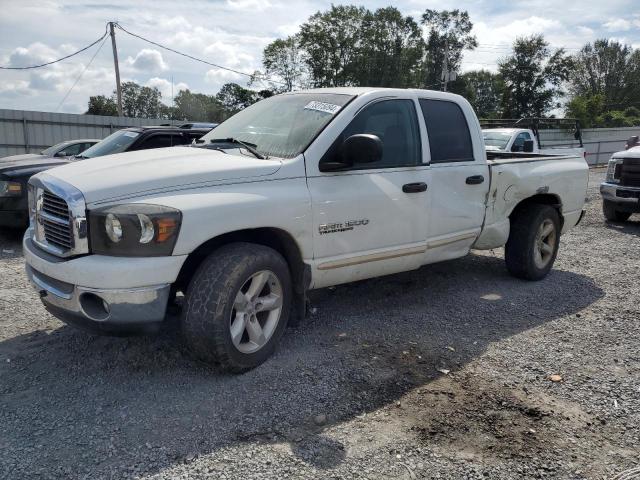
<point>24,131</point>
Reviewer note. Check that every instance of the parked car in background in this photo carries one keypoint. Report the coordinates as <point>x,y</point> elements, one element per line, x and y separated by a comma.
<point>299,191</point>
<point>14,175</point>
<point>199,125</point>
<point>523,136</point>
<point>621,189</point>
<point>633,141</point>
<point>15,170</point>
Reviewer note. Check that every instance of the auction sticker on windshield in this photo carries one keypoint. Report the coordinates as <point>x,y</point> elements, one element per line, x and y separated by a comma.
<point>131,134</point>
<point>322,107</point>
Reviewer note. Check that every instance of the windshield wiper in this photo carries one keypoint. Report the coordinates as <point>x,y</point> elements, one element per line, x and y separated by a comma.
<point>249,146</point>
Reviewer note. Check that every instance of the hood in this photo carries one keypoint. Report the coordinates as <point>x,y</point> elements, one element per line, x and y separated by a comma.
<point>28,164</point>
<point>126,175</point>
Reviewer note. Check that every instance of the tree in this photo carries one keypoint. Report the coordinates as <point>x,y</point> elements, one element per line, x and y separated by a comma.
<point>533,77</point>
<point>101,105</point>
<point>332,40</point>
<point>198,107</point>
<point>284,58</point>
<point>602,68</point>
<point>449,30</point>
<point>484,91</point>
<point>138,101</point>
<point>391,50</point>
<point>234,98</point>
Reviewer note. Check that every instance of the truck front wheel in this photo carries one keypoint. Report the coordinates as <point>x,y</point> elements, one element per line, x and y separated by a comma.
<point>237,306</point>
<point>613,215</point>
<point>533,241</point>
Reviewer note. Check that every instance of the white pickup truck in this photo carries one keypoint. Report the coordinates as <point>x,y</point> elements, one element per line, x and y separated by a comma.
<point>300,191</point>
<point>522,140</point>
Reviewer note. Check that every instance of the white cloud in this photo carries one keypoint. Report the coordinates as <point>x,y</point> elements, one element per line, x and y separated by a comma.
<point>249,4</point>
<point>585,31</point>
<point>217,77</point>
<point>147,60</point>
<point>34,54</point>
<point>15,90</point>
<point>164,86</point>
<point>617,25</point>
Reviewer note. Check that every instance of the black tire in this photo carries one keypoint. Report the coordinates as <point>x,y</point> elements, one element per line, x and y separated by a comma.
<point>520,250</point>
<point>613,215</point>
<point>209,304</point>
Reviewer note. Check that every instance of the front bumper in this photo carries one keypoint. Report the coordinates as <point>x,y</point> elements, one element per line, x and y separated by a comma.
<point>627,198</point>
<point>104,308</point>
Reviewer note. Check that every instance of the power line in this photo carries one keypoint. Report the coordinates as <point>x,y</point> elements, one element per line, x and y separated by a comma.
<point>191,56</point>
<point>58,60</point>
<point>82,73</point>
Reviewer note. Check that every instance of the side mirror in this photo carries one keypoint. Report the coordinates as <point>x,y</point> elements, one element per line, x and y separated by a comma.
<point>61,154</point>
<point>360,148</point>
<point>527,146</point>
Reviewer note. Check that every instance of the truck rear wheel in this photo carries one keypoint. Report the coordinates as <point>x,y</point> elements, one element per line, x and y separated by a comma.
<point>613,215</point>
<point>533,241</point>
<point>237,306</point>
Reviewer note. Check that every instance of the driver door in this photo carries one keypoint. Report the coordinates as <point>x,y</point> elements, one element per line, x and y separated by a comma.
<point>371,219</point>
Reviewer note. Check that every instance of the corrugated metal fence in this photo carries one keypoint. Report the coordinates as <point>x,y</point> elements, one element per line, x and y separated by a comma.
<point>599,143</point>
<point>24,131</point>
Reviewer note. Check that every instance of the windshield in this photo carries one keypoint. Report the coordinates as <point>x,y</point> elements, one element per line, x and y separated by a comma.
<point>281,126</point>
<point>51,151</point>
<point>496,139</point>
<point>115,143</point>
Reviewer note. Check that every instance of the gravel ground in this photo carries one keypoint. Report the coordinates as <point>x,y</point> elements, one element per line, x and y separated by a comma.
<point>439,373</point>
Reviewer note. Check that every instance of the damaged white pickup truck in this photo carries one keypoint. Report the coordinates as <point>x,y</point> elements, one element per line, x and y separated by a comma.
<point>300,191</point>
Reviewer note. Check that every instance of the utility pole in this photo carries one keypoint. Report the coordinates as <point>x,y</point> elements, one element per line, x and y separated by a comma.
<point>117,68</point>
<point>445,66</point>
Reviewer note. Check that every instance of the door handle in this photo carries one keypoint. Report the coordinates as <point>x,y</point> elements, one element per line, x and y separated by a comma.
<point>414,187</point>
<point>475,180</point>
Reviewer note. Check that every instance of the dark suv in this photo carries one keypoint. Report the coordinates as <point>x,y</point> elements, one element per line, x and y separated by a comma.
<point>13,178</point>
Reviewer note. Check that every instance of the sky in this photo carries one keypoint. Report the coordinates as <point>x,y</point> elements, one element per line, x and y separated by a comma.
<point>233,33</point>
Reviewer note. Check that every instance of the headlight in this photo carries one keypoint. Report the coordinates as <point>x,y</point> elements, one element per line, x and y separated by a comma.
<point>134,230</point>
<point>10,189</point>
<point>613,170</point>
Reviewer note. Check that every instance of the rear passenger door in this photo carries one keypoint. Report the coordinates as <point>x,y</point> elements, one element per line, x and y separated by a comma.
<point>459,179</point>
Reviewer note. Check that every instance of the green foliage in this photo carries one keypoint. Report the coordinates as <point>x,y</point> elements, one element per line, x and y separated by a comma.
<point>101,105</point>
<point>332,40</point>
<point>139,101</point>
<point>197,107</point>
<point>448,30</point>
<point>285,59</point>
<point>234,97</point>
<point>533,76</point>
<point>483,89</point>
<point>391,50</point>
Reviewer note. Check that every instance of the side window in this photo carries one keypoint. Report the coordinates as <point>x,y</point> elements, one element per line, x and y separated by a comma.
<point>396,124</point>
<point>155,141</point>
<point>73,149</point>
<point>449,137</point>
<point>518,143</point>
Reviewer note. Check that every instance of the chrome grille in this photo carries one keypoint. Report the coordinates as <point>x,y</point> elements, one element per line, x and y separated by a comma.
<point>54,205</point>
<point>56,222</point>
<point>58,216</point>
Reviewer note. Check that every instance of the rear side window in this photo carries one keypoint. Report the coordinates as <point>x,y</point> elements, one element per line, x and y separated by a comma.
<point>157,141</point>
<point>448,131</point>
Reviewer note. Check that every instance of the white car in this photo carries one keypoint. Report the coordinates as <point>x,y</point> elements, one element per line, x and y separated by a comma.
<point>297,192</point>
<point>621,189</point>
<point>522,140</point>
